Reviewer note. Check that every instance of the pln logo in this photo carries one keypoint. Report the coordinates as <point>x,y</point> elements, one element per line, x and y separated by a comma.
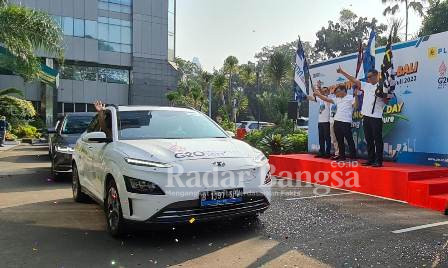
<point>433,52</point>
<point>443,78</point>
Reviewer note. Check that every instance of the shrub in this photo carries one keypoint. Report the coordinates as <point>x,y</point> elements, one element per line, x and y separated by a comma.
<point>274,144</point>
<point>228,125</point>
<point>10,137</point>
<point>298,142</point>
<point>254,137</point>
<point>26,131</point>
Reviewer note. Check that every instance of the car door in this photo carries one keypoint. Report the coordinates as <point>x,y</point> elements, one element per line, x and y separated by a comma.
<point>85,155</point>
<point>96,151</point>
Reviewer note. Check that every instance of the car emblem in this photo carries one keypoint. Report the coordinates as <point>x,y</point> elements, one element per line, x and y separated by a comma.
<point>219,164</point>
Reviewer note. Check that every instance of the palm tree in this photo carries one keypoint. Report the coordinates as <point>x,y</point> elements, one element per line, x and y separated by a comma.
<point>278,68</point>
<point>417,6</point>
<point>230,67</point>
<point>220,86</point>
<point>23,31</point>
<point>247,74</point>
<point>10,91</point>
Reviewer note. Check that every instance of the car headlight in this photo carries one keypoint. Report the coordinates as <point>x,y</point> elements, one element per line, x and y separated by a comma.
<point>138,186</point>
<point>64,149</point>
<point>260,158</point>
<point>145,163</point>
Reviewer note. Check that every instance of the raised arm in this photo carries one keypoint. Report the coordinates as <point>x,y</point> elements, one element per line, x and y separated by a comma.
<point>349,77</point>
<point>322,97</point>
<point>101,109</point>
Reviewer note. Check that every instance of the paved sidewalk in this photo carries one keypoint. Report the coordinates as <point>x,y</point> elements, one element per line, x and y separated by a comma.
<point>9,145</point>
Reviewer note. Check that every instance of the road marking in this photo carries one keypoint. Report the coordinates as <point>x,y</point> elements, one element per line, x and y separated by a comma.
<point>294,258</point>
<point>316,196</point>
<point>415,228</point>
<point>345,190</point>
<point>240,254</point>
<point>15,199</point>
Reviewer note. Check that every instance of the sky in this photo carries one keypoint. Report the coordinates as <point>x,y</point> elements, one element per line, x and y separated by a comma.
<point>214,29</point>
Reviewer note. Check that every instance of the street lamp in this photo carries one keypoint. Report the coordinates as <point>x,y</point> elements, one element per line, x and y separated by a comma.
<point>258,71</point>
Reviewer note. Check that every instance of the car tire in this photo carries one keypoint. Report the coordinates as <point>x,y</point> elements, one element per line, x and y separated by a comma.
<point>114,215</point>
<point>78,195</point>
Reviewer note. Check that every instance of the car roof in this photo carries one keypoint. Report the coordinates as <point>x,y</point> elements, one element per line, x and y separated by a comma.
<point>80,114</point>
<point>153,108</point>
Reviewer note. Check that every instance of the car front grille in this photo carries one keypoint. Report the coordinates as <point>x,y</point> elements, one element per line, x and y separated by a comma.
<point>184,211</point>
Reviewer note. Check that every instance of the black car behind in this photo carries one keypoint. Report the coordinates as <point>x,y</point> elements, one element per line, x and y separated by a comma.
<point>63,139</point>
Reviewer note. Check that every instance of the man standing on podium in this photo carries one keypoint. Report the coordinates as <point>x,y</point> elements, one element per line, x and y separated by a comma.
<point>324,122</point>
<point>372,111</point>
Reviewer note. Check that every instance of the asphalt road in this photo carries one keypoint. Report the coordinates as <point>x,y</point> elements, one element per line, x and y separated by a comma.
<point>40,226</point>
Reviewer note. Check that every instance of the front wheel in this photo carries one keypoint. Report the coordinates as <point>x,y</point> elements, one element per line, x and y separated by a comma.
<point>114,215</point>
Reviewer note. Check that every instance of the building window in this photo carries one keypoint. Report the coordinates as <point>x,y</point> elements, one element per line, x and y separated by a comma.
<point>114,35</point>
<point>68,107</point>
<point>171,30</point>
<point>80,107</point>
<point>91,29</point>
<point>78,28</point>
<point>91,73</point>
<point>58,20</point>
<point>109,75</point>
<point>67,25</point>
<point>121,6</point>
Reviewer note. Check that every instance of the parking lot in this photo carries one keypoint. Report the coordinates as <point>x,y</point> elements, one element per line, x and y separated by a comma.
<point>42,227</point>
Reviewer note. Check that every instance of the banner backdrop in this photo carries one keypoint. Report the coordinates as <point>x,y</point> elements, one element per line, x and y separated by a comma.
<point>415,122</point>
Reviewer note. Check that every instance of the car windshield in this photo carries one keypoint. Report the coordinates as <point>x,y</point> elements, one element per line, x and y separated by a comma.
<point>76,124</point>
<point>138,125</point>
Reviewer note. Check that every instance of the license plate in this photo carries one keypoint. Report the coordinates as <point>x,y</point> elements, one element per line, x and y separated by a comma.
<point>221,197</point>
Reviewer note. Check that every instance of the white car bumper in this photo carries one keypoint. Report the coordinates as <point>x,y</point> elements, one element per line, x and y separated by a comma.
<point>180,201</point>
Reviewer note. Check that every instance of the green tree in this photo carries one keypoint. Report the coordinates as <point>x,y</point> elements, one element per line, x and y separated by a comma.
<point>192,87</point>
<point>231,67</point>
<point>23,31</point>
<point>220,87</point>
<point>247,74</point>
<point>343,37</point>
<point>436,19</point>
<point>16,110</point>
<point>394,7</point>
<point>278,68</point>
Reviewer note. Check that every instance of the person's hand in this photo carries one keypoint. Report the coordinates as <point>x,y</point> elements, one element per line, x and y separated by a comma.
<point>339,70</point>
<point>99,106</point>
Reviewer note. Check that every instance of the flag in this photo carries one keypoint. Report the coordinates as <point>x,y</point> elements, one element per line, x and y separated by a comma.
<point>358,68</point>
<point>369,54</point>
<point>301,75</point>
<point>386,86</point>
<point>360,58</point>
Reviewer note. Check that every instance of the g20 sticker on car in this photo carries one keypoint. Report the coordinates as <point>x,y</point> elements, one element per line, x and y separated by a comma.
<point>197,154</point>
<point>189,154</point>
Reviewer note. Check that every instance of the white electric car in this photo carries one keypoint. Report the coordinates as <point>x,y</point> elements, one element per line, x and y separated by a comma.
<point>165,165</point>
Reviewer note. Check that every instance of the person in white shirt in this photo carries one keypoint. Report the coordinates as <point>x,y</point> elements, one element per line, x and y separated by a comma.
<point>342,120</point>
<point>372,112</point>
<point>324,122</point>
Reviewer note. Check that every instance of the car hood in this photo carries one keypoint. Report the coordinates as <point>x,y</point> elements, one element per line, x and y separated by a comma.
<point>169,151</point>
<point>69,139</point>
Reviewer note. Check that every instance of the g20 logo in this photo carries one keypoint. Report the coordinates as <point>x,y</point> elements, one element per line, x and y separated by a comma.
<point>189,154</point>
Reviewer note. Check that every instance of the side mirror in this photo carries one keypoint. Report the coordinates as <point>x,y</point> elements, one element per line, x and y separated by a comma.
<point>51,130</point>
<point>96,137</point>
<point>230,133</point>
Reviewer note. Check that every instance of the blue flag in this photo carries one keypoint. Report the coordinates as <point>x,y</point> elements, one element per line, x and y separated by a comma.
<point>369,54</point>
<point>301,75</point>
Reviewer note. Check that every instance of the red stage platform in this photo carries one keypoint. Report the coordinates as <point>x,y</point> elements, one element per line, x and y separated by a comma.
<point>421,186</point>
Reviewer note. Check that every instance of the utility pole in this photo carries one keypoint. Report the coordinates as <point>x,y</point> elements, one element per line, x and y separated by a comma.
<point>210,99</point>
<point>258,92</point>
